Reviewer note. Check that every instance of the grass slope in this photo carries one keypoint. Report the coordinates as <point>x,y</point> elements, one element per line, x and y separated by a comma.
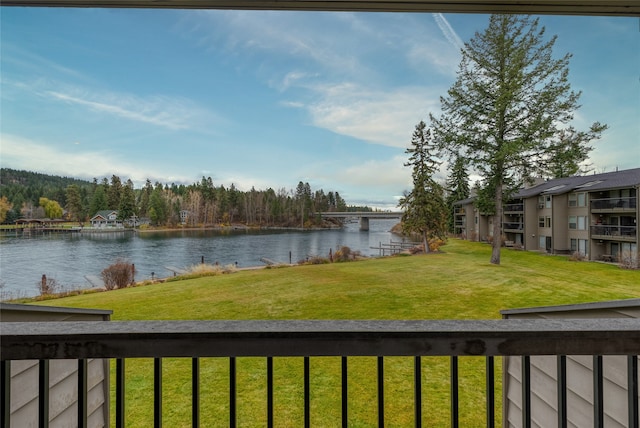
<point>457,284</point>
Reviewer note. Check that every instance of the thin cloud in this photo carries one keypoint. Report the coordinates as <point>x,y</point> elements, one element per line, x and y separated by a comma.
<point>376,116</point>
<point>448,31</point>
<point>23,153</point>
<point>173,114</point>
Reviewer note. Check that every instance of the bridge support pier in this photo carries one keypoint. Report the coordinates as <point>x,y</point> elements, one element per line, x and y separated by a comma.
<point>364,224</point>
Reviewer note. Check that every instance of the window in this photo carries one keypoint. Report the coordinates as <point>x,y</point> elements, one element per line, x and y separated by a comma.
<point>547,201</point>
<point>540,221</point>
<point>547,221</point>
<point>582,246</point>
<point>578,199</point>
<point>582,222</point>
<point>582,199</point>
<point>579,245</point>
<point>573,223</point>
<point>542,243</point>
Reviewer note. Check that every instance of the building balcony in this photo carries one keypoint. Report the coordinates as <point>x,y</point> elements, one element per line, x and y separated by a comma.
<point>418,341</point>
<point>513,227</point>
<point>514,208</point>
<point>614,233</point>
<point>615,205</point>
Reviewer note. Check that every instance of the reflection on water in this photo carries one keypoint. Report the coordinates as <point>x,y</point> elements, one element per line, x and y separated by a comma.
<point>69,258</point>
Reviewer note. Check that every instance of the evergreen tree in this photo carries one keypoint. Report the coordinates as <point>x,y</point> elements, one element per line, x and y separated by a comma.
<point>74,204</point>
<point>99,201</point>
<point>507,108</point>
<point>127,208</point>
<point>114,193</point>
<point>457,188</point>
<point>424,208</point>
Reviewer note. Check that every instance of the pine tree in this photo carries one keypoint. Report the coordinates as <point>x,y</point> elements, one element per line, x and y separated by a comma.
<point>457,188</point>
<point>424,208</point>
<point>507,108</point>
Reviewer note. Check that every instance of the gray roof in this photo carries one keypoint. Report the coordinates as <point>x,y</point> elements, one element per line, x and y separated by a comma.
<point>587,183</point>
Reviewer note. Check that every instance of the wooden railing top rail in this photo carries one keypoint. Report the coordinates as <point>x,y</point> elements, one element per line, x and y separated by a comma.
<point>131,339</point>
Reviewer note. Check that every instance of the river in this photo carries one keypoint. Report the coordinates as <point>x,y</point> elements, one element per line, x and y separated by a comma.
<point>70,258</point>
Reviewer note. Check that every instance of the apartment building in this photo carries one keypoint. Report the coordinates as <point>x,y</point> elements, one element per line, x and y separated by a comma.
<point>595,215</point>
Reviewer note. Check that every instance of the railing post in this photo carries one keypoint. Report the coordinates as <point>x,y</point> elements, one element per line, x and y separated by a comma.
<point>562,390</point>
<point>120,388</point>
<point>454,392</point>
<point>598,393</point>
<point>82,393</point>
<point>232,392</point>
<point>5,403</point>
<point>43,394</point>
<point>269,392</point>
<point>195,392</point>
<point>157,392</point>
<point>491,400</point>
<point>345,390</point>
<point>380,392</point>
<point>526,391</point>
<point>417,375</point>
<point>632,389</point>
<point>307,394</point>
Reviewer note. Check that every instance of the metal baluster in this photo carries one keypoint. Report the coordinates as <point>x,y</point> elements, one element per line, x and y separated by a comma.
<point>598,396</point>
<point>526,391</point>
<point>562,391</point>
<point>307,395</point>
<point>157,392</point>
<point>632,389</point>
<point>491,398</point>
<point>82,393</point>
<point>5,403</point>
<point>454,392</point>
<point>43,394</point>
<point>417,375</point>
<point>120,393</point>
<point>380,392</point>
<point>344,393</point>
<point>232,392</point>
<point>270,392</point>
<point>195,392</point>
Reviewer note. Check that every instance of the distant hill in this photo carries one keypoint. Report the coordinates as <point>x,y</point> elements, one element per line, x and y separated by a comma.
<point>28,187</point>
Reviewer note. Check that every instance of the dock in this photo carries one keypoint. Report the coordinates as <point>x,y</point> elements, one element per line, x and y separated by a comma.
<point>394,247</point>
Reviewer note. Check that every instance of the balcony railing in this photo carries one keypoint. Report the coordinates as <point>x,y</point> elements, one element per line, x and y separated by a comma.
<point>513,226</point>
<point>344,339</point>
<point>611,232</point>
<point>514,208</point>
<point>628,203</point>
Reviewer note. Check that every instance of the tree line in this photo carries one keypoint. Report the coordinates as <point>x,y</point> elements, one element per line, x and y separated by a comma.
<point>25,194</point>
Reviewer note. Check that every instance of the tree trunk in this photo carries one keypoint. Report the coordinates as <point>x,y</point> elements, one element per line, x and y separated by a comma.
<point>497,226</point>
<point>425,242</point>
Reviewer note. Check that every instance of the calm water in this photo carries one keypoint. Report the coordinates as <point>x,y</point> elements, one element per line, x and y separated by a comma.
<point>69,258</point>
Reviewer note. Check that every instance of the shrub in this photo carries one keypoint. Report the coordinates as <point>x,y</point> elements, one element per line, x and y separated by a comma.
<point>626,260</point>
<point>315,260</point>
<point>577,256</point>
<point>47,286</point>
<point>118,275</point>
<point>204,269</point>
<point>345,254</point>
<point>435,244</point>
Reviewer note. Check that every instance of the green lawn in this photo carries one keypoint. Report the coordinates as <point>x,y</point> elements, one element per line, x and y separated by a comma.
<point>459,283</point>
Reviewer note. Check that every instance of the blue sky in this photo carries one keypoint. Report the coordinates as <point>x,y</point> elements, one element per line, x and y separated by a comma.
<point>268,99</point>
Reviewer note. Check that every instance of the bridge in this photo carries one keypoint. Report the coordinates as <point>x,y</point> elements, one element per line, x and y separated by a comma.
<point>364,216</point>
